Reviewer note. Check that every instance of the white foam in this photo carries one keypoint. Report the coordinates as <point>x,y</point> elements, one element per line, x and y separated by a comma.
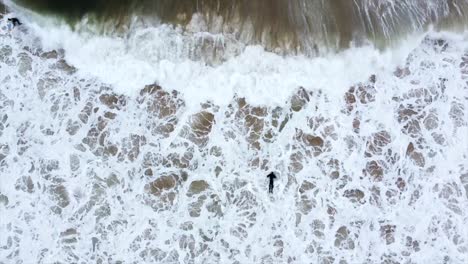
<point>158,54</point>
<point>423,210</point>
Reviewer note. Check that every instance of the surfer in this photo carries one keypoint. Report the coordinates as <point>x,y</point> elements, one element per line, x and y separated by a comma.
<point>15,21</point>
<point>272,177</point>
<point>7,25</point>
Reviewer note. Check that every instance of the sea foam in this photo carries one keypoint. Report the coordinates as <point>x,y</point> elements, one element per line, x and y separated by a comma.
<point>127,149</point>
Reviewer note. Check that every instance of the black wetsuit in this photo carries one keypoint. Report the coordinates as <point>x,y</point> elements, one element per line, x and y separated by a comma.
<point>15,21</point>
<point>272,177</point>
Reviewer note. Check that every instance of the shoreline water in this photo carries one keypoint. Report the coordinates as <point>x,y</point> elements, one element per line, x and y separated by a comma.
<point>183,62</point>
<point>369,146</point>
<point>311,28</point>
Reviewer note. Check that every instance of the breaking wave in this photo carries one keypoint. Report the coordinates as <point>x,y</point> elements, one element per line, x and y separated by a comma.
<point>304,26</point>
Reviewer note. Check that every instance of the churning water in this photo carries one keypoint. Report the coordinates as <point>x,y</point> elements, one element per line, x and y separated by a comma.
<point>143,133</point>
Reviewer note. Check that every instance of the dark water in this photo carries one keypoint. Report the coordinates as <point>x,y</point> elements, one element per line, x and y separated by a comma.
<point>301,25</point>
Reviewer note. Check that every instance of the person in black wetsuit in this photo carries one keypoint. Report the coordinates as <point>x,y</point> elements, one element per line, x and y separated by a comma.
<point>15,21</point>
<point>272,177</point>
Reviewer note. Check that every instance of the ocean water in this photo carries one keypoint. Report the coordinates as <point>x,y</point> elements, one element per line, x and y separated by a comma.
<point>152,145</point>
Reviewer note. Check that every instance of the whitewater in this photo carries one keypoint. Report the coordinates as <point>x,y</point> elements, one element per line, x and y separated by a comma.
<point>153,147</point>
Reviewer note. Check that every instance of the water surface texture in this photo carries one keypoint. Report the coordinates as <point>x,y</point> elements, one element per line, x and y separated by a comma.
<point>301,26</point>
<point>143,133</point>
